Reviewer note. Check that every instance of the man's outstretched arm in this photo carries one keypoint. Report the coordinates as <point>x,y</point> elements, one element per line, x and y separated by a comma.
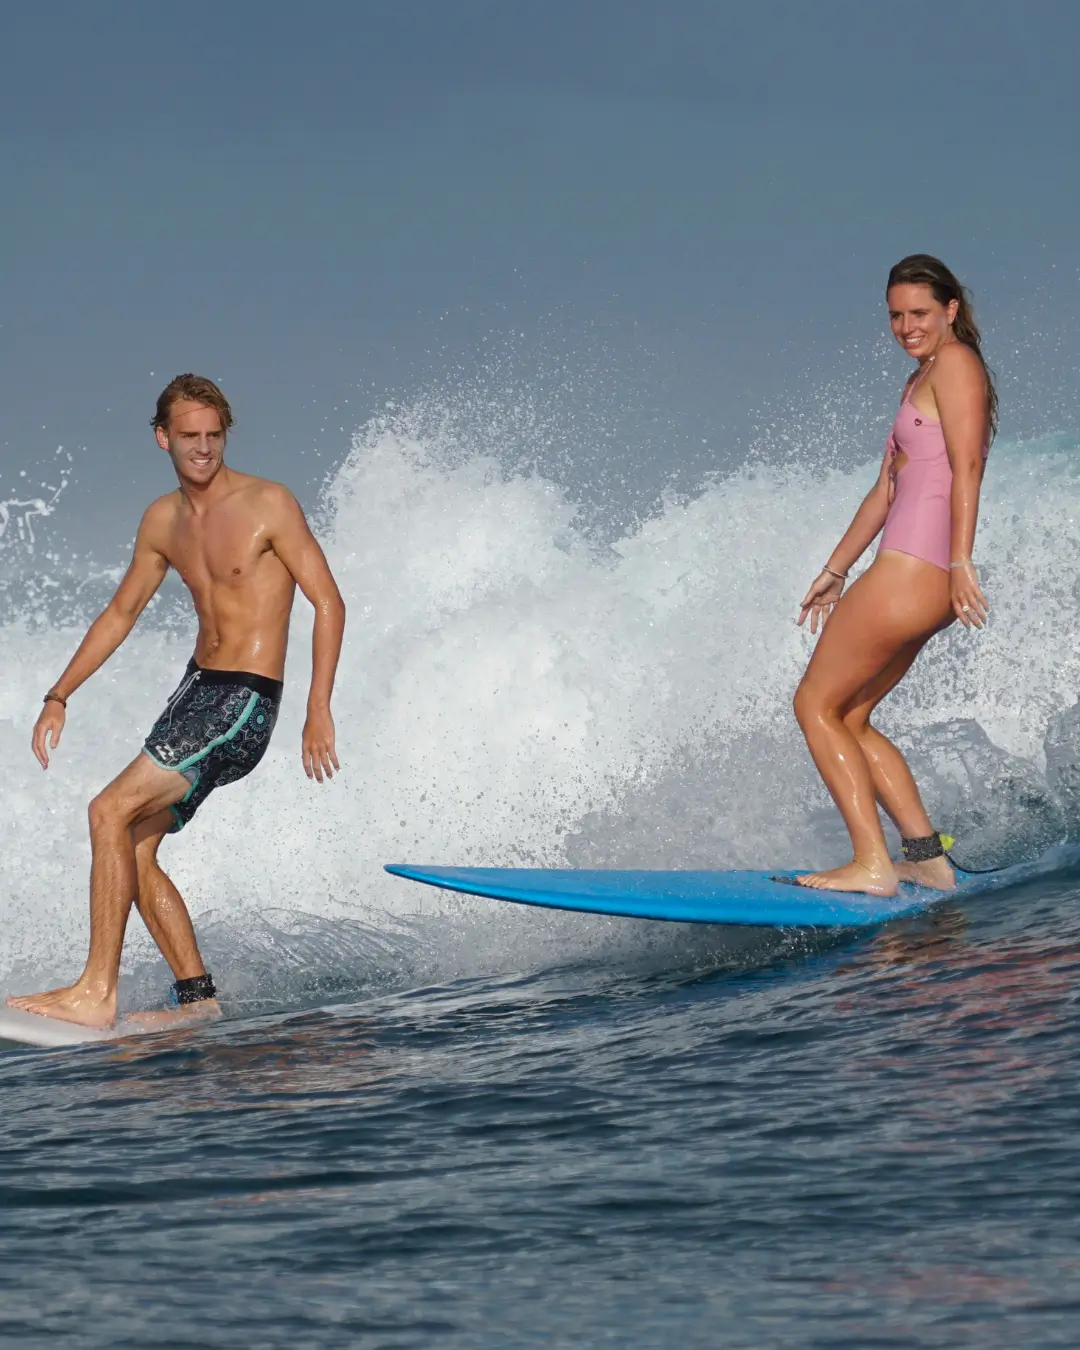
<point>299,550</point>
<point>144,575</point>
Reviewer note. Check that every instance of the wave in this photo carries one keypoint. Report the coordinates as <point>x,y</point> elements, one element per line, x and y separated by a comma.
<point>518,688</point>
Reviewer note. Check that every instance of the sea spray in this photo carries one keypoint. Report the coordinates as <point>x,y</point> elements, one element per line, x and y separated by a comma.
<point>515,689</point>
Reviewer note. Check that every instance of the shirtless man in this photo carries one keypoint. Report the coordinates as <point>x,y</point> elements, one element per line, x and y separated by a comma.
<point>241,546</point>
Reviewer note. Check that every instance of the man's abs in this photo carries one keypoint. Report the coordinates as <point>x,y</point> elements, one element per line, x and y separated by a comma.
<point>242,591</point>
<point>245,627</point>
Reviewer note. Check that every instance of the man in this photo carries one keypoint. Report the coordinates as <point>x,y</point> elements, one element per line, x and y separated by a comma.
<point>241,546</point>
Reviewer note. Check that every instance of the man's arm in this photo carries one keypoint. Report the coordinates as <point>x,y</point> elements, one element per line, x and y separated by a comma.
<point>299,550</point>
<point>144,575</point>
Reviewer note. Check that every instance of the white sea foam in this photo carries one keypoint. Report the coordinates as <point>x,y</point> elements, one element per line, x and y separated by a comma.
<point>514,692</point>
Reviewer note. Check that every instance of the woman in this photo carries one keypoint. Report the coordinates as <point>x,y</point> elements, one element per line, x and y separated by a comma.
<point>923,578</point>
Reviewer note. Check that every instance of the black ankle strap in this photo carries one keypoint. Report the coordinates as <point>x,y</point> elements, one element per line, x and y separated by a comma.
<point>195,990</point>
<point>922,849</point>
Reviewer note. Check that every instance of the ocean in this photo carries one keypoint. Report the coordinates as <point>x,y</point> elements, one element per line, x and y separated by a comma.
<point>436,1121</point>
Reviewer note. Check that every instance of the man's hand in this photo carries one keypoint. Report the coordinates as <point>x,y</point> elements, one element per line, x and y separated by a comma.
<point>319,754</point>
<point>47,731</point>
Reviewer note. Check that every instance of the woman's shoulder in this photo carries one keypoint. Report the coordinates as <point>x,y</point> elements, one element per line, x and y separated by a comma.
<point>958,367</point>
<point>958,359</point>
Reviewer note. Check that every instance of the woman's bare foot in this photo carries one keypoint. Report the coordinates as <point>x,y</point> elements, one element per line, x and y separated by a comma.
<point>853,876</point>
<point>206,1010</point>
<point>937,873</point>
<point>79,1003</point>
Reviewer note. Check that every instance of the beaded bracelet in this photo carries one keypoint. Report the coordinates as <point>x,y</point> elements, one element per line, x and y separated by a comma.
<point>842,576</point>
<point>53,697</point>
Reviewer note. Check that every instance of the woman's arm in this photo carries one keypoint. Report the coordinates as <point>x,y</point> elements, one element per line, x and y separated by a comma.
<point>865,526</point>
<point>959,387</point>
<point>867,522</point>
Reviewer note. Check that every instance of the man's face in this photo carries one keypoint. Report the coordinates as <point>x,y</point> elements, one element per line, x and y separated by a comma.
<point>195,440</point>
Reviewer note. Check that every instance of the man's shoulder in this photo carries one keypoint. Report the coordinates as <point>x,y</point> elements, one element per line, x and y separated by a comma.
<point>263,490</point>
<point>272,501</point>
<point>162,510</point>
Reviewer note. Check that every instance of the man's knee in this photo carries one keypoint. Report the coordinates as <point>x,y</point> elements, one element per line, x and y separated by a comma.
<point>146,856</point>
<point>103,813</point>
<point>148,835</point>
<point>108,811</point>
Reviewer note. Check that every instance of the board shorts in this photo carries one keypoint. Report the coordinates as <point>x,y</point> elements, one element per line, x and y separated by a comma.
<point>214,730</point>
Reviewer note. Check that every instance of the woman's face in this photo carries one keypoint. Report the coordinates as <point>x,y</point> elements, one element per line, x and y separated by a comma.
<point>920,323</point>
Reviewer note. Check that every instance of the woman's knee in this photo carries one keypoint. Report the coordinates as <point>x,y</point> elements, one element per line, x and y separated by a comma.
<point>857,722</point>
<point>810,705</point>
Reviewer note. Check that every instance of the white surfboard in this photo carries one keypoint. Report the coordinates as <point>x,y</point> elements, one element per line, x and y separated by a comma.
<point>49,1032</point>
<point>33,1029</point>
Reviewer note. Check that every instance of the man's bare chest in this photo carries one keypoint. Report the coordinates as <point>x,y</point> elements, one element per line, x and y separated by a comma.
<point>226,550</point>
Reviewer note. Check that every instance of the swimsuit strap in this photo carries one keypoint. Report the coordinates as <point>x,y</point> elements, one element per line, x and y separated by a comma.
<point>917,379</point>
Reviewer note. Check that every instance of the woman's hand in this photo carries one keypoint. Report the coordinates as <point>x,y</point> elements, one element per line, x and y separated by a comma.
<point>820,599</point>
<point>968,602</point>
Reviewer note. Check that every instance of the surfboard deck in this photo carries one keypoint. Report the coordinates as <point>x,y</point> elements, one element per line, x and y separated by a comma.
<point>50,1032</point>
<point>748,898</point>
<point>33,1029</point>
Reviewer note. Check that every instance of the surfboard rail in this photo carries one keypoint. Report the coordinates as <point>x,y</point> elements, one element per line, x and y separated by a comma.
<point>747,898</point>
<point>46,1032</point>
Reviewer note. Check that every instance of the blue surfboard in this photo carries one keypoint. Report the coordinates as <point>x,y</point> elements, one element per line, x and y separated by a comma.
<point>753,898</point>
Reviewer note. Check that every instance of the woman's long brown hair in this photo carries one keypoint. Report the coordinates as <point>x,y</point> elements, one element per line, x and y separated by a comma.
<point>922,269</point>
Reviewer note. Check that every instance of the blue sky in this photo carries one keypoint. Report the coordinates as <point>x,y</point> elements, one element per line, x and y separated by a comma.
<point>691,205</point>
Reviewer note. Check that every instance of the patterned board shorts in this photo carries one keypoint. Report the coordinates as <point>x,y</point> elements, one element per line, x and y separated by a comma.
<point>214,730</point>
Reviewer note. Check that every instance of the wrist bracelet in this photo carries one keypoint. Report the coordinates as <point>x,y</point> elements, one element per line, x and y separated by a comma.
<point>53,697</point>
<point>964,562</point>
<point>843,576</point>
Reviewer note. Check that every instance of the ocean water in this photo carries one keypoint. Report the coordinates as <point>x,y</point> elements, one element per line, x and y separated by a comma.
<point>434,1121</point>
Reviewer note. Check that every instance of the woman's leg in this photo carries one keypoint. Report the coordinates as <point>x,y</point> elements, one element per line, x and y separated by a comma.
<point>894,785</point>
<point>897,604</point>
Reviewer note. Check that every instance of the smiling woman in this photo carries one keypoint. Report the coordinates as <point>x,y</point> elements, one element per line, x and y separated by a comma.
<point>926,497</point>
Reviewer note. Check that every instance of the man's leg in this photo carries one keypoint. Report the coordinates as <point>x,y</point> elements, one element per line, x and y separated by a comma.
<point>167,920</point>
<point>159,902</point>
<point>142,790</point>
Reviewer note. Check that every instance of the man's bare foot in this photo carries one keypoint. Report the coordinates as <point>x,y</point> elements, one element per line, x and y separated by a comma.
<point>189,1014</point>
<point>937,873</point>
<point>853,876</point>
<point>77,1004</point>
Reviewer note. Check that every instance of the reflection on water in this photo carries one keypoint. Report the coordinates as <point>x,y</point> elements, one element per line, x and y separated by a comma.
<point>312,1062</point>
<point>843,1140</point>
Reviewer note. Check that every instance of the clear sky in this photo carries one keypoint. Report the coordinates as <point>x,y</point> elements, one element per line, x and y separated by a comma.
<point>691,205</point>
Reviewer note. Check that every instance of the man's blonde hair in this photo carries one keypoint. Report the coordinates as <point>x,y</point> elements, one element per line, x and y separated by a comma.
<point>191,389</point>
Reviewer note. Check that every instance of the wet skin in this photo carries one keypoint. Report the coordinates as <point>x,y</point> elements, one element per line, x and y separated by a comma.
<point>871,635</point>
<point>242,546</point>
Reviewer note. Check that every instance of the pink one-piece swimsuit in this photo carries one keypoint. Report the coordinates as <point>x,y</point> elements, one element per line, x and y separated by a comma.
<point>920,515</point>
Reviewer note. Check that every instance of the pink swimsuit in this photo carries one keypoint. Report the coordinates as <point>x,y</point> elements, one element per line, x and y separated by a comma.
<point>920,516</point>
